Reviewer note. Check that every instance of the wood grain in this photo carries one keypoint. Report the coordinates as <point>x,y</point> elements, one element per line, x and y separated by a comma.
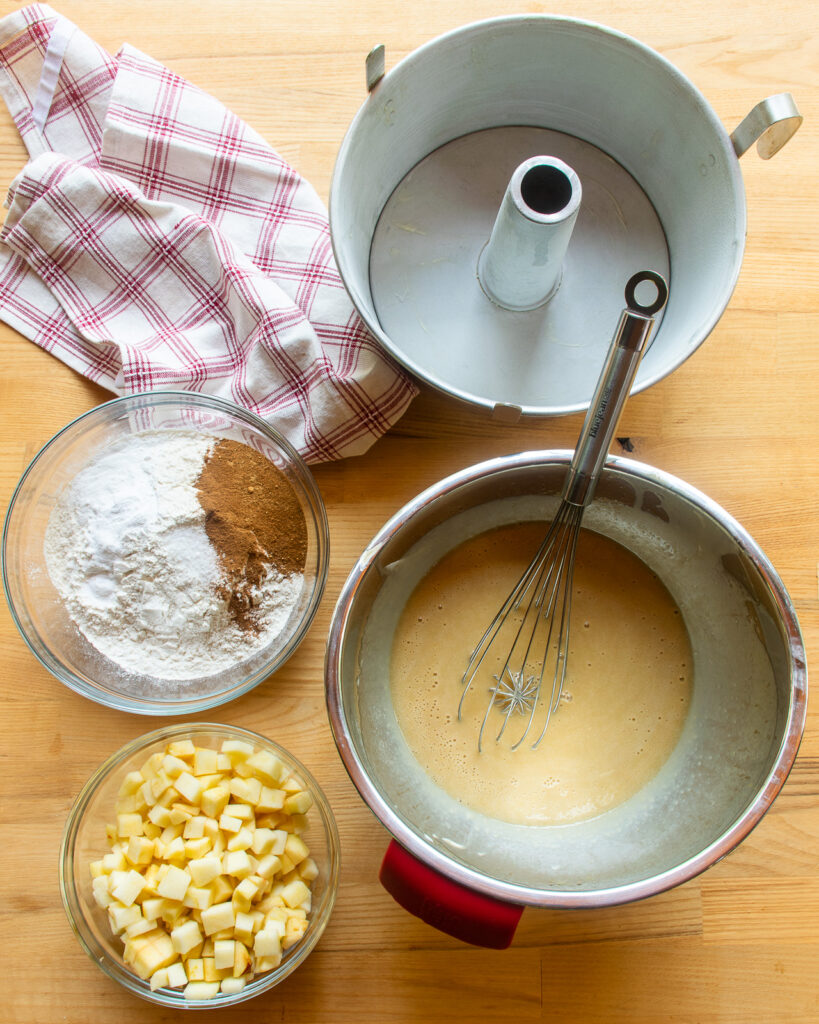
<point>739,420</point>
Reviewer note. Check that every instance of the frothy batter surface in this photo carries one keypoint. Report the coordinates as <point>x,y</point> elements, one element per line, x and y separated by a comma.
<point>626,694</point>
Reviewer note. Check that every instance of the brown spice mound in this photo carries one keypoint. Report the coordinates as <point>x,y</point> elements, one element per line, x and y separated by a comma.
<point>253,519</point>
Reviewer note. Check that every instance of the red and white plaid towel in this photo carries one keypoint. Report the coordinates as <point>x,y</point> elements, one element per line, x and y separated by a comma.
<point>155,241</point>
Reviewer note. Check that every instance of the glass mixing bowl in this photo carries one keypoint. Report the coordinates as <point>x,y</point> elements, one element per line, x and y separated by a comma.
<point>84,841</point>
<point>39,611</point>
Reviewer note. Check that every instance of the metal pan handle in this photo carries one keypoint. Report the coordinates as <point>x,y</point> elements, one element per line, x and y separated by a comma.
<point>772,123</point>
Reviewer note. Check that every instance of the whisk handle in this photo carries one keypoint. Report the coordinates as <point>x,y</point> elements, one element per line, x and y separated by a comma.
<point>624,355</point>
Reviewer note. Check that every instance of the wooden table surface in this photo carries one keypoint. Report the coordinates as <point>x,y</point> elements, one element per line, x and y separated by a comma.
<point>739,420</point>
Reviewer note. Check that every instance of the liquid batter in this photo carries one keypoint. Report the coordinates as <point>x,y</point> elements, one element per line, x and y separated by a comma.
<point>626,693</point>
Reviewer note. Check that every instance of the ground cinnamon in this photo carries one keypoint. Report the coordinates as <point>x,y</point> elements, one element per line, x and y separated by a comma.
<point>253,520</point>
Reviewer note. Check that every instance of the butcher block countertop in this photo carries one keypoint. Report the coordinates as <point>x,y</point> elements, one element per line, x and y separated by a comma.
<point>739,420</point>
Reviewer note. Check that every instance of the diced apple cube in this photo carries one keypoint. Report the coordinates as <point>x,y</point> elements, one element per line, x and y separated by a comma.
<point>131,783</point>
<point>227,823</point>
<point>267,767</point>
<point>295,849</point>
<point>152,765</point>
<point>160,815</point>
<point>160,783</point>
<point>190,787</point>
<point>204,869</point>
<point>243,927</point>
<point>298,803</point>
<point>154,950</point>
<point>237,751</point>
<point>308,869</point>
<point>197,848</point>
<point>173,766</point>
<point>224,952</point>
<point>296,928</point>
<point>242,840</point>
<point>121,916</point>
<point>232,986</point>
<point>147,794</point>
<point>101,892</point>
<point>201,989</point>
<point>244,812</point>
<point>175,883</point>
<point>237,864</point>
<point>139,928</point>
<point>269,866</point>
<point>295,893</point>
<point>270,800</point>
<point>222,888</point>
<point>140,850</point>
<point>152,908</point>
<point>171,832</point>
<point>177,976</point>
<point>205,761</point>
<point>159,979</point>
<point>267,944</point>
<point>263,841</point>
<point>198,898</point>
<point>174,850</point>
<point>185,936</point>
<point>195,827</point>
<point>246,791</point>
<point>183,749</point>
<point>195,969</point>
<point>128,888</point>
<point>217,917</point>
<point>214,800</point>
<point>129,825</point>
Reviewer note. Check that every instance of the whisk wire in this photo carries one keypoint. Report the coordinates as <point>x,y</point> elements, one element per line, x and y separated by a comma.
<point>546,600</point>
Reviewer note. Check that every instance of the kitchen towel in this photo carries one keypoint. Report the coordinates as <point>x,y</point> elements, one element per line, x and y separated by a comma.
<point>155,241</point>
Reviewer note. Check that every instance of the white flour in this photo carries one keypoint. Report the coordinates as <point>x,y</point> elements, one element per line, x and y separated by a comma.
<point>127,550</point>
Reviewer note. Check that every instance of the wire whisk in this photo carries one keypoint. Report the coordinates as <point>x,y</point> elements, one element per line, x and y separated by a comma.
<point>536,614</point>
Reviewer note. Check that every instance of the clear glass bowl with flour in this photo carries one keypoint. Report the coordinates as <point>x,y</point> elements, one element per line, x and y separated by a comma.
<point>165,552</point>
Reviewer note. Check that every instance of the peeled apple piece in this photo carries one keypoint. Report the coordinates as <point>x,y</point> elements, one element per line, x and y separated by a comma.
<point>207,880</point>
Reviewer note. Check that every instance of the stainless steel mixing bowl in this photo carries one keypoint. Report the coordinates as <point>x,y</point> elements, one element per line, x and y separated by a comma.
<point>738,743</point>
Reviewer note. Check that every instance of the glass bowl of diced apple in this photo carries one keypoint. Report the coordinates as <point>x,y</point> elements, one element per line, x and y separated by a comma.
<point>199,865</point>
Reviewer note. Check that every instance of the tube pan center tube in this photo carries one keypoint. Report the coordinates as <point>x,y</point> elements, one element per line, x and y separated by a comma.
<point>521,265</point>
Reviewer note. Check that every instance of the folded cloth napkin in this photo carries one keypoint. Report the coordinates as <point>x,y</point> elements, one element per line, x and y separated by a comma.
<point>155,241</point>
